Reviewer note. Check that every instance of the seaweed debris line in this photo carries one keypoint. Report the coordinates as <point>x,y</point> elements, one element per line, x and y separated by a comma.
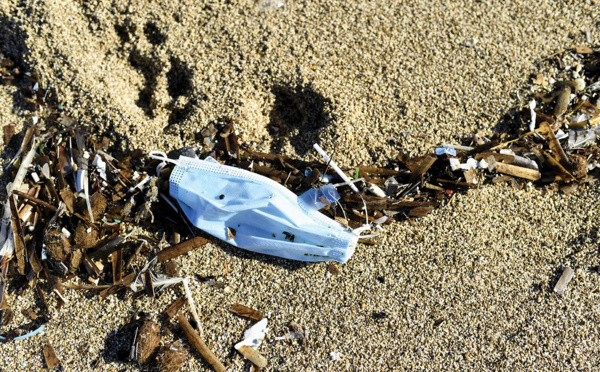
<point>82,218</point>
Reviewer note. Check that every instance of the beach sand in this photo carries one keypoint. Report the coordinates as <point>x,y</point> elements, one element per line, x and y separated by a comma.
<point>470,286</point>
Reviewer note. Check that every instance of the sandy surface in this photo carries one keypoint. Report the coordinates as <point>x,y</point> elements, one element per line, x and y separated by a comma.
<point>469,286</point>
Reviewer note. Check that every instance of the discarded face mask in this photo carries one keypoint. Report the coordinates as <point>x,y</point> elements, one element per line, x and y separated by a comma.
<point>258,214</point>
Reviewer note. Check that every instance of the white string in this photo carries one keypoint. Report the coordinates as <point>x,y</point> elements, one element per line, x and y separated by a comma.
<point>160,155</point>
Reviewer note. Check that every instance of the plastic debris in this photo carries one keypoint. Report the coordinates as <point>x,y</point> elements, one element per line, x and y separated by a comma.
<point>376,190</point>
<point>582,137</point>
<point>318,198</point>
<point>391,186</point>
<point>267,217</point>
<point>290,336</point>
<point>533,115</point>
<point>27,335</point>
<point>445,150</point>
<point>565,279</point>
<point>335,356</point>
<point>333,165</point>
<point>253,337</point>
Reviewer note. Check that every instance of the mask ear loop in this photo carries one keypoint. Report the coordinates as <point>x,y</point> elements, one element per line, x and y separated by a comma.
<point>161,155</point>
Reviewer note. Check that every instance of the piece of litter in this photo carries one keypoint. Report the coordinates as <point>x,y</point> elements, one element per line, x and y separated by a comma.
<point>564,280</point>
<point>457,147</point>
<point>376,190</point>
<point>445,150</point>
<point>254,335</point>
<point>533,115</point>
<point>290,336</point>
<point>27,335</point>
<point>333,165</point>
<point>267,217</point>
<point>336,356</point>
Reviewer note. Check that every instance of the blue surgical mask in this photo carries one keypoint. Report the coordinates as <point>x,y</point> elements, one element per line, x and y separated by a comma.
<point>256,213</point>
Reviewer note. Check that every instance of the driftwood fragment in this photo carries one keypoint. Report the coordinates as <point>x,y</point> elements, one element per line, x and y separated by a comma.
<point>423,168</point>
<point>181,248</point>
<point>252,355</point>
<point>175,307</point>
<point>246,312</point>
<point>117,265</point>
<point>199,344</point>
<point>17,232</point>
<point>513,170</point>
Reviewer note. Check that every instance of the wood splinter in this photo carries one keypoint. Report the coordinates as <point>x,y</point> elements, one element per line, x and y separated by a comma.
<point>181,248</point>
<point>513,170</point>
<point>254,356</point>
<point>199,344</point>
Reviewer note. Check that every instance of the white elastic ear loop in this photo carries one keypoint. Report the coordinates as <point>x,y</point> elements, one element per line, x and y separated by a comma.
<point>161,155</point>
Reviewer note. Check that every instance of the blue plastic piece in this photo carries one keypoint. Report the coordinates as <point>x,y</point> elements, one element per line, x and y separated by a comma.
<point>445,150</point>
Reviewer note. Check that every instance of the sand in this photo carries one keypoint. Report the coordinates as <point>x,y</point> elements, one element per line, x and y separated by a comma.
<point>467,287</point>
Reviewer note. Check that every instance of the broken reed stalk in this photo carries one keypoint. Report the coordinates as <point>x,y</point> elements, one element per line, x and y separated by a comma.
<point>188,294</point>
<point>181,248</point>
<point>513,170</point>
<point>19,244</point>
<point>254,356</point>
<point>199,344</point>
<point>6,248</point>
<point>34,200</point>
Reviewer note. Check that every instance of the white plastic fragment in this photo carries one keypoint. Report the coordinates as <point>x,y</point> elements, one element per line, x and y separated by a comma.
<point>335,167</point>
<point>564,280</point>
<point>254,335</point>
<point>561,135</point>
<point>100,166</point>
<point>533,115</point>
<point>335,356</point>
<point>579,84</point>
<point>35,177</point>
<point>325,180</point>
<point>471,163</point>
<point>141,184</point>
<point>381,220</point>
<point>582,137</point>
<point>454,164</point>
<point>290,336</point>
<point>46,171</point>
<point>376,190</point>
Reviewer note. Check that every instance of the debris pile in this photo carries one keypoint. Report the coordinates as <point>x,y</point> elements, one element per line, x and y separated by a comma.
<point>80,217</point>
